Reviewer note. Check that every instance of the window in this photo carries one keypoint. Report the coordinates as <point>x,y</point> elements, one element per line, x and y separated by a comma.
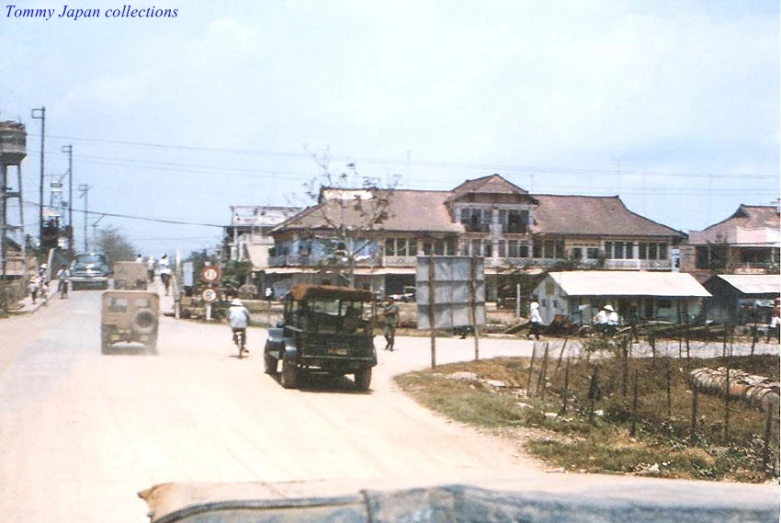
<point>523,250</point>
<point>652,251</point>
<point>512,249</point>
<point>475,220</point>
<point>592,253</point>
<point>577,253</point>
<point>401,247</point>
<point>629,250</point>
<point>513,221</point>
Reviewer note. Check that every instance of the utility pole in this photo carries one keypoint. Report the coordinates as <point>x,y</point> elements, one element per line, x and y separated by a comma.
<point>68,149</point>
<point>84,190</point>
<point>40,114</point>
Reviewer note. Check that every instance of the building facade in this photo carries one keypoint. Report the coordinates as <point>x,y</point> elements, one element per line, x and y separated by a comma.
<point>747,242</point>
<point>247,238</point>
<point>487,217</point>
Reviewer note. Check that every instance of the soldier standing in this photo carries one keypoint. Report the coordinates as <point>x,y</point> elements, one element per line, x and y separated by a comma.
<point>390,315</point>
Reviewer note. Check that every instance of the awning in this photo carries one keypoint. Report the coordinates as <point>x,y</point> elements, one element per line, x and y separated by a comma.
<point>753,283</point>
<point>629,283</point>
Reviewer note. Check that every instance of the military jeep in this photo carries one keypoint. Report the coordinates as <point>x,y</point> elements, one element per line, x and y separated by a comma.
<point>327,329</point>
<point>130,275</point>
<point>129,317</point>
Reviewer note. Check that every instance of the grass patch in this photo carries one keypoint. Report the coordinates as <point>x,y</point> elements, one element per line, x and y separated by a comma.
<point>594,433</point>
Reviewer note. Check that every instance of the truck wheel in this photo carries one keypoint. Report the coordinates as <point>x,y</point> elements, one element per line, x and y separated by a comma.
<point>363,378</point>
<point>289,374</point>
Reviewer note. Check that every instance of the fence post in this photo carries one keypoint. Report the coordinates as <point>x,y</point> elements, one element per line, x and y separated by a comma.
<point>766,444</point>
<point>543,372</point>
<point>634,407</point>
<point>624,367</point>
<point>669,390</point>
<point>726,406</point>
<point>593,393</point>
<point>531,370</point>
<point>561,355</point>
<point>566,388</point>
<point>694,414</point>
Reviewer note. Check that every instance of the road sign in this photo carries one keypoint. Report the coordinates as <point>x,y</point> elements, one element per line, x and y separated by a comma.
<point>209,295</point>
<point>210,274</point>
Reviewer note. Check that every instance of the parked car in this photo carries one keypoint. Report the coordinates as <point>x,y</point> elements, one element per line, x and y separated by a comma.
<point>324,328</point>
<point>129,317</point>
<point>89,270</point>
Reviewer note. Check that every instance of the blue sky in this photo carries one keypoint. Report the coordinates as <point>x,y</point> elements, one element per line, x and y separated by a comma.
<point>672,105</point>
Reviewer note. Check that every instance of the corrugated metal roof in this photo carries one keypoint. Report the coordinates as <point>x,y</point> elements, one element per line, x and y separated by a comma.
<point>754,283</point>
<point>621,283</point>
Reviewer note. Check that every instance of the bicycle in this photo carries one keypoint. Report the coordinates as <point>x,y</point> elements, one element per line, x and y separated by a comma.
<point>240,339</point>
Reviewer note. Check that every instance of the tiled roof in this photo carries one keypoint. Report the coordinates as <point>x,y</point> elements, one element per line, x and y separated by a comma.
<point>493,184</point>
<point>409,211</point>
<point>593,215</point>
<point>414,211</point>
<point>746,217</point>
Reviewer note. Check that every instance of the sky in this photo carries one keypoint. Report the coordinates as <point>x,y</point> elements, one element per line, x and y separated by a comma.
<point>671,105</point>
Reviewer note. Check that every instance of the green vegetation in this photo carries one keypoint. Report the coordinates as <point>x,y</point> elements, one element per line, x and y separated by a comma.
<point>601,427</point>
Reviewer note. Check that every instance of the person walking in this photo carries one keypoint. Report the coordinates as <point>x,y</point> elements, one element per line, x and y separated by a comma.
<point>33,288</point>
<point>390,314</point>
<point>150,268</point>
<point>536,321</point>
<point>238,319</point>
<point>165,272</point>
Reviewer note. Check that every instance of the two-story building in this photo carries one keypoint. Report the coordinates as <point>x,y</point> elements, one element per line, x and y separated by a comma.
<point>747,242</point>
<point>488,217</point>
<point>247,238</point>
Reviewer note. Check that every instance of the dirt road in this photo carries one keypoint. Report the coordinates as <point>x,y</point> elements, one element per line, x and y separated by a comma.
<point>81,433</point>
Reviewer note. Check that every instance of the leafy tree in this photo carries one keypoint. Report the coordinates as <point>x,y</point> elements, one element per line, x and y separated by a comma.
<point>115,246</point>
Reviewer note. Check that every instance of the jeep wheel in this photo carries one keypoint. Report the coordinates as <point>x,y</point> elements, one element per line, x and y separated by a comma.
<point>289,374</point>
<point>363,378</point>
<point>104,340</point>
<point>270,364</point>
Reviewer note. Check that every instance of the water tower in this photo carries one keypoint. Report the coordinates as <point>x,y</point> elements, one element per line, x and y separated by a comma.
<point>13,149</point>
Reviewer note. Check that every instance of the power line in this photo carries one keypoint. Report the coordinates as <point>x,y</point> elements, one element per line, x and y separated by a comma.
<point>140,218</point>
<point>419,163</point>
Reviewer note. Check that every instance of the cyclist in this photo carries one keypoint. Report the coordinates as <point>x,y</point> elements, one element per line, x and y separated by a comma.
<point>238,318</point>
<point>64,276</point>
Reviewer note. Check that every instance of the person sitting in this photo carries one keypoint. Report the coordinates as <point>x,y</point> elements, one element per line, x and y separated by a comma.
<point>606,320</point>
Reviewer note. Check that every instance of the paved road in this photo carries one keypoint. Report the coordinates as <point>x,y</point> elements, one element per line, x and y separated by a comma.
<point>81,433</point>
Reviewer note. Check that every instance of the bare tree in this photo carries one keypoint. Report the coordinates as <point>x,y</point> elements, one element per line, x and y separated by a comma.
<point>347,210</point>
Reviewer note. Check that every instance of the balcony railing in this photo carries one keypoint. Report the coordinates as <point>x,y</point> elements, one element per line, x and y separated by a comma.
<point>410,261</point>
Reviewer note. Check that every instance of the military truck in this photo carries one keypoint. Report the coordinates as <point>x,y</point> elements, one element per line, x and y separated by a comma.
<point>130,275</point>
<point>129,318</point>
<point>326,329</point>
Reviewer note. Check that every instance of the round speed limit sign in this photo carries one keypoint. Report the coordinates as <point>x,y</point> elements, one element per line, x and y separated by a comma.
<point>210,274</point>
<point>209,295</point>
